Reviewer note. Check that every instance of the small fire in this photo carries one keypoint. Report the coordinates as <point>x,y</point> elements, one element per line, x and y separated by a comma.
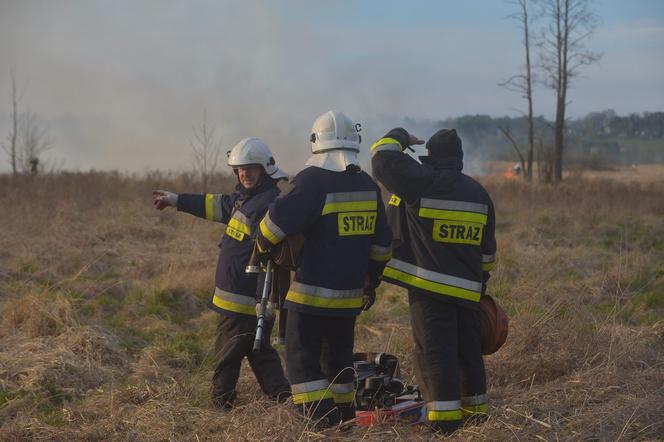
<point>510,175</point>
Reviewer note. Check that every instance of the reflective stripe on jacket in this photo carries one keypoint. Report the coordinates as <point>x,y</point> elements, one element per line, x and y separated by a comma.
<point>241,211</point>
<point>342,218</point>
<point>443,224</point>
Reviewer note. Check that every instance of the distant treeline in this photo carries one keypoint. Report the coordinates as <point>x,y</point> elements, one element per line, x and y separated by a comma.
<point>599,137</point>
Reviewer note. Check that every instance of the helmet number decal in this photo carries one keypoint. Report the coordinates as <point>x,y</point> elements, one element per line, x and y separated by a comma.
<point>356,223</point>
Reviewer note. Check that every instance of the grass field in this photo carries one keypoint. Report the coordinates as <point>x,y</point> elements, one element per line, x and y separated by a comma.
<point>104,333</point>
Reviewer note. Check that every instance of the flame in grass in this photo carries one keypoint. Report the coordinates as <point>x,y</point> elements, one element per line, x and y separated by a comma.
<point>510,175</point>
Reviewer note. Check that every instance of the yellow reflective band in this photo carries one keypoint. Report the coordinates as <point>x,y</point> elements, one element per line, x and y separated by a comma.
<point>382,257</point>
<point>317,301</point>
<point>394,201</point>
<point>233,306</point>
<point>311,396</point>
<point>457,232</point>
<point>386,141</point>
<point>467,410</point>
<point>356,223</point>
<point>453,215</point>
<point>488,266</point>
<point>452,415</point>
<point>265,230</point>
<point>235,234</point>
<point>431,286</point>
<point>343,398</point>
<point>209,206</point>
<point>349,206</point>
<point>239,226</point>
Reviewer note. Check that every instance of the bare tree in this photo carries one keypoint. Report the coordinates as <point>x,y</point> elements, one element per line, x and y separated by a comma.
<point>545,154</point>
<point>12,137</point>
<point>508,134</point>
<point>33,142</point>
<point>205,150</point>
<point>523,84</point>
<point>562,54</point>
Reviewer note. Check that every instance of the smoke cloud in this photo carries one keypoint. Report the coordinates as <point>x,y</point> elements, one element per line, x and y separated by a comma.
<point>120,84</point>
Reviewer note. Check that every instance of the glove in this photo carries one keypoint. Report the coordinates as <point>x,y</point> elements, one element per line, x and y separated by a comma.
<point>270,310</point>
<point>163,199</point>
<point>263,249</point>
<point>369,297</point>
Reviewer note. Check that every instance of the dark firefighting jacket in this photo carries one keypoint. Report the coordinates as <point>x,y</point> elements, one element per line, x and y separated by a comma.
<point>241,211</point>
<point>342,218</point>
<point>443,223</point>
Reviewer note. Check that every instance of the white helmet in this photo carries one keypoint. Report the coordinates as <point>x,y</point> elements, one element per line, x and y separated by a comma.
<point>335,142</point>
<point>254,151</point>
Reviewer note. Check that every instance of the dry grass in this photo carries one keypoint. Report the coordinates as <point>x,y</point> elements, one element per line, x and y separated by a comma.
<point>104,334</point>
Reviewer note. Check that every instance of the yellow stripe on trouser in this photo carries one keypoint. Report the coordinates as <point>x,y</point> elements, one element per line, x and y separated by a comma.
<point>343,394</point>
<point>318,301</point>
<point>474,409</point>
<point>311,396</point>
<point>343,398</point>
<point>451,415</point>
<point>431,286</point>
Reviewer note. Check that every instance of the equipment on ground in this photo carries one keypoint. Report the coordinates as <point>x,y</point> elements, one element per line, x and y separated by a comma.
<point>251,151</point>
<point>382,396</point>
<point>494,325</point>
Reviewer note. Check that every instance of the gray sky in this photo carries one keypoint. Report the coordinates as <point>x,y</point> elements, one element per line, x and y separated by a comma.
<point>119,84</point>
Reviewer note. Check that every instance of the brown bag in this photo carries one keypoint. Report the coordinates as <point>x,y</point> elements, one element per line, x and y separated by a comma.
<point>286,254</point>
<point>494,325</point>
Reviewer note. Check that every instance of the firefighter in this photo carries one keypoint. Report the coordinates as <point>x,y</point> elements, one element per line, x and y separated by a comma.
<point>234,296</point>
<point>338,209</point>
<point>444,247</point>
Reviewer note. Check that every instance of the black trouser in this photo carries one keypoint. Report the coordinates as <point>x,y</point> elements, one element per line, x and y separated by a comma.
<point>235,340</point>
<point>447,348</point>
<point>319,360</point>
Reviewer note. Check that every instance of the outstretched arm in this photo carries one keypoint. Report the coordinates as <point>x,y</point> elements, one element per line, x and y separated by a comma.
<point>214,207</point>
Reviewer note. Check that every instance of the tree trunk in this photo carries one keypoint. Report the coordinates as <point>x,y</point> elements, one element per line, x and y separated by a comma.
<point>529,85</point>
<point>14,135</point>
<point>559,140</point>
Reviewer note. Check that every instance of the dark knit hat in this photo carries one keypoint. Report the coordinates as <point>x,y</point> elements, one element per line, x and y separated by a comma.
<point>445,144</point>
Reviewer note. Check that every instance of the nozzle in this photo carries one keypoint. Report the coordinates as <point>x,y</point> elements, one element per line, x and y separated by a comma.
<point>254,265</point>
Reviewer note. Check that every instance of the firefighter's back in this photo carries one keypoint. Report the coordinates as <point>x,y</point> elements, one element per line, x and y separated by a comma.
<point>343,207</point>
